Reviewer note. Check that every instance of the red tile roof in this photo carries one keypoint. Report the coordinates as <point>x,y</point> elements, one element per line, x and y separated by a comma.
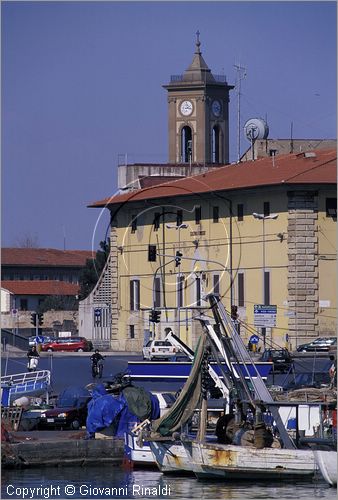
<point>44,257</point>
<point>283,170</point>
<point>37,287</point>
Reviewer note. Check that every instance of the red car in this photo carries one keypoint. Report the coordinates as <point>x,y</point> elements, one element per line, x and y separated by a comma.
<point>73,344</point>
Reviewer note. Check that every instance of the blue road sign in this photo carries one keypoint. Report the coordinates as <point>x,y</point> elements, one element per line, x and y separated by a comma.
<point>254,339</point>
<point>97,312</point>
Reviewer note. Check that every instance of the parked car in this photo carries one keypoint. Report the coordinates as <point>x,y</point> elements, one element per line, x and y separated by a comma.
<point>322,344</point>
<point>159,349</point>
<point>73,344</point>
<point>281,359</point>
<point>70,411</point>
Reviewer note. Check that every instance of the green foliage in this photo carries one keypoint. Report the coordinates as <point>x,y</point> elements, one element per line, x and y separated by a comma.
<point>92,270</point>
<point>58,303</point>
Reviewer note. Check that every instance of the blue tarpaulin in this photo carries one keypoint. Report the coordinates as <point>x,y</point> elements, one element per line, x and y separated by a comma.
<point>106,410</point>
<point>73,396</point>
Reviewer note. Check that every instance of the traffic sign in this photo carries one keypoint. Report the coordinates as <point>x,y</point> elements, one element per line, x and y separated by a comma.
<point>97,312</point>
<point>254,339</point>
<point>265,315</point>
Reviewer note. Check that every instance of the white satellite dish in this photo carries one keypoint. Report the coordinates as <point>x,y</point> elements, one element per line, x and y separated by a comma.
<point>256,128</point>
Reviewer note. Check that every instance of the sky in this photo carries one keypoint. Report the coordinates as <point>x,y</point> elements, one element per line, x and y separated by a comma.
<point>82,88</point>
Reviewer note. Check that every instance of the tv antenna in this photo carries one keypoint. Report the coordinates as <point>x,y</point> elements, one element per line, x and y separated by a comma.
<point>241,74</point>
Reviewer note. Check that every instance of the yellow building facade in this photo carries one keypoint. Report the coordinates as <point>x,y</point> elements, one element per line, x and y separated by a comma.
<point>256,233</point>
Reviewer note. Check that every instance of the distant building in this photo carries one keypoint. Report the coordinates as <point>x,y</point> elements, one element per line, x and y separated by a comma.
<point>29,295</point>
<point>39,264</point>
<point>29,276</point>
<point>272,147</point>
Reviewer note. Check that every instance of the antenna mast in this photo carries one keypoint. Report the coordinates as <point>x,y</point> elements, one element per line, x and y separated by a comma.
<point>241,74</point>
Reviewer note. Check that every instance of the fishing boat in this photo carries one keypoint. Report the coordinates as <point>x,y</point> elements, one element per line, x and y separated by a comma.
<point>24,384</point>
<point>327,464</point>
<point>255,449</point>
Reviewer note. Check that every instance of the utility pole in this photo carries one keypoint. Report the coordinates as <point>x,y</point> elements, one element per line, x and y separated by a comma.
<point>241,74</point>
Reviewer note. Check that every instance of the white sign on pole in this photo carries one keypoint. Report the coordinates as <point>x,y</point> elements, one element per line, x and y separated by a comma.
<point>265,316</point>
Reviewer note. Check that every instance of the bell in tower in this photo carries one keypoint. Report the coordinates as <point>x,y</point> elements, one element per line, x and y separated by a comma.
<point>198,104</point>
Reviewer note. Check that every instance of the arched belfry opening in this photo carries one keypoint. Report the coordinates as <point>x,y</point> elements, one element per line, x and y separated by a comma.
<point>216,144</point>
<point>186,144</point>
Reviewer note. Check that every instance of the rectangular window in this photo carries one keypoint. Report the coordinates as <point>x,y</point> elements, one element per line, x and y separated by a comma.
<point>151,253</point>
<point>133,223</point>
<point>157,221</point>
<point>157,292</point>
<point>180,288</point>
<point>240,278</point>
<point>198,215</point>
<point>23,304</point>
<point>240,211</point>
<point>198,292</point>
<point>135,295</point>
<point>266,208</point>
<point>132,331</point>
<point>331,208</point>
<point>266,288</point>
<point>179,217</point>
<point>215,214</point>
<point>216,284</point>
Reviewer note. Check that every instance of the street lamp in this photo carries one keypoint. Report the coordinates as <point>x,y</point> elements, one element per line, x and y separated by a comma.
<point>263,217</point>
<point>178,228</point>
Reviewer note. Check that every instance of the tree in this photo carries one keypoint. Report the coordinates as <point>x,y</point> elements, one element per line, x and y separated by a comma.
<point>58,303</point>
<point>27,240</point>
<point>92,271</point>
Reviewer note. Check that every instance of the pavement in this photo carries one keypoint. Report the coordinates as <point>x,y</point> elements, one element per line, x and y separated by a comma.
<point>15,352</point>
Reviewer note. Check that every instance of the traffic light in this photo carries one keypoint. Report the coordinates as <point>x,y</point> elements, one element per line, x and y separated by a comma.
<point>178,258</point>
<point>33,319</point>
<point>151,253</point>
<point>234,313</point>
<point>154,316</point>
<point>40,319</point>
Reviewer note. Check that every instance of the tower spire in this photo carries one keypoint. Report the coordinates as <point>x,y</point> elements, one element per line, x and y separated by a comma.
<point>198,43</point>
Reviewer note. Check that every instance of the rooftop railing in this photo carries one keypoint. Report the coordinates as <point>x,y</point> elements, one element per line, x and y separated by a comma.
<point>192,77</point>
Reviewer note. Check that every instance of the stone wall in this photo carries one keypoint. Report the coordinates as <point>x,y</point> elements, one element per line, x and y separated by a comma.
<point>303,264</point>
<point>23,319</point>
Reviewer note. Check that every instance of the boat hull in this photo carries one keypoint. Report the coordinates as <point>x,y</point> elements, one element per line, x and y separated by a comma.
<point>171,457</point>
<point>233,462</point>
<point>327,463</point>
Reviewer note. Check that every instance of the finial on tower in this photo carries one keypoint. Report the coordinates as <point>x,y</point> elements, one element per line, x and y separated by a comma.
<point>198,43</point>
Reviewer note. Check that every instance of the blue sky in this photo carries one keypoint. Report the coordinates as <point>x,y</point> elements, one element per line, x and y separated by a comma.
<point>82,84</point>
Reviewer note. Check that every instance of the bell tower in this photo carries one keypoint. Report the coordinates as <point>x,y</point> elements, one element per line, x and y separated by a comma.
<point>198,118</point>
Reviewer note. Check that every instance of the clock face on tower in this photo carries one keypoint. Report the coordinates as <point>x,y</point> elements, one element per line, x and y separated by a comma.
<point>186,108</point>
<point>216,108</point>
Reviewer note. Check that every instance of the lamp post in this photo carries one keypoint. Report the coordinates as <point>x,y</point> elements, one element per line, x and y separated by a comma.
<point>263,217</point>
<point>178,228</point>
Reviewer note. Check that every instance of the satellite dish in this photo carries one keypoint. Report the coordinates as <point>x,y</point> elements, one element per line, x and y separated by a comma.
<point>256,128</point>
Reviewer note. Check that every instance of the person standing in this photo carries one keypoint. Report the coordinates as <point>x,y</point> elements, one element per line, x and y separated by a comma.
<point>33,359</point>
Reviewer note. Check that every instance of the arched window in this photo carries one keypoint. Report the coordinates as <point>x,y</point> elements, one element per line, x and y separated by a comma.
<point>186,144</point>
<point>216,144</point>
